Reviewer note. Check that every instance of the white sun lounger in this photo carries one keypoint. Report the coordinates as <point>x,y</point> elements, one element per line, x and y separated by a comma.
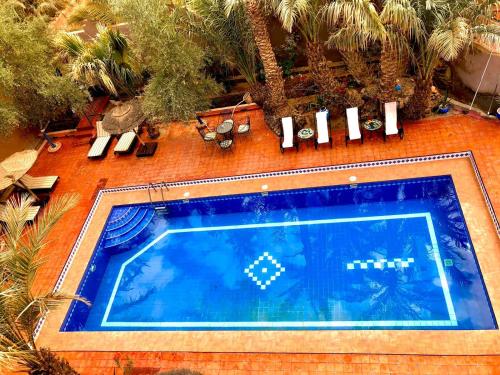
<point>32,212</point>
<point>322,129</point>
<point>39,183</point>
<point>126,143</point>
<point>101,144</point>
<point>352,125</point>
<point>391,121</point>
<point>287,139</point>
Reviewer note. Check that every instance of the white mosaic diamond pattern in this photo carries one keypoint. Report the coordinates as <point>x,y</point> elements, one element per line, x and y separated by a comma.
<point>263,284</point>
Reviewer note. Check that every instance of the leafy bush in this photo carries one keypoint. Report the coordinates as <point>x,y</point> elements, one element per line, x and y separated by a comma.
<point>178,84</point>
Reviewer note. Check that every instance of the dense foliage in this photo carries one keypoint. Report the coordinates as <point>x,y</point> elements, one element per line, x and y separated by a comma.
<point>31,90</point>
<point>178,85</point>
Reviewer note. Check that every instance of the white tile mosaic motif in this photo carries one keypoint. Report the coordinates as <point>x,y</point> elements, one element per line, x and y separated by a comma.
<point>380,263</point>
<point>268,268</point>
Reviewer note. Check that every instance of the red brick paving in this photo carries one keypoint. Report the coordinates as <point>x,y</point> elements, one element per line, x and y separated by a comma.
<point>182,155</point>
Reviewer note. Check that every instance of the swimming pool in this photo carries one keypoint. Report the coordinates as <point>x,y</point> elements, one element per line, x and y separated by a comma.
<point>387,255</point>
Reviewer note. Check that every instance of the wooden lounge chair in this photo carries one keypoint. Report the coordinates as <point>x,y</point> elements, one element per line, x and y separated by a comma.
<point>391,121</point>
<point>287,138</point>
<point>126,142</point>
<point>39,183</point>
<point>323,131</point>
<point>101,144</point>
<point>353,131</point>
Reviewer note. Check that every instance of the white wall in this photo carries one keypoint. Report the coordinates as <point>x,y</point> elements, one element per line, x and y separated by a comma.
<point>470,68</point>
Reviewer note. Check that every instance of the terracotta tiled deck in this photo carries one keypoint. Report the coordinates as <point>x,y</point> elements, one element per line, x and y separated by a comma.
<point>183,156</point>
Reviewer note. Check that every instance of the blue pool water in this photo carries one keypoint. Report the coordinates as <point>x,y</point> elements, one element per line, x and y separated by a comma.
<point>387,255</point>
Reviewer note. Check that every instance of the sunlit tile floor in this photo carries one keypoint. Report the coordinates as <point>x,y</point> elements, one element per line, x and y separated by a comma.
<point>182,155</point>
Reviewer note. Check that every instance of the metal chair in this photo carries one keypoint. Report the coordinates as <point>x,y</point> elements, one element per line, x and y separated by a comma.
<point>244,128</point>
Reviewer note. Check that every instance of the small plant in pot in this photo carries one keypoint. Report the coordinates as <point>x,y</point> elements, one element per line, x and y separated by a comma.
<point>444,104</point>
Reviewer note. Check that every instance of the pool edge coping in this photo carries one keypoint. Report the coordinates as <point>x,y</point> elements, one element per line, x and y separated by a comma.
<point>291,172</point>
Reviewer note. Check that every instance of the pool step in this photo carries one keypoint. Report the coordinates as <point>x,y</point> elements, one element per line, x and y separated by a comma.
<point>135,229</point>
<point>129,225</point>
<point>122,217</point>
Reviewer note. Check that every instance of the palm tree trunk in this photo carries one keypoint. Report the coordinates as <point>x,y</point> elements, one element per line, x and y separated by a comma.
<point>419,105</point>
<point>357,67</point>
<point>389,61</point>
<point>329,87</point>
<point>276,99</point>
<point>321,74</point>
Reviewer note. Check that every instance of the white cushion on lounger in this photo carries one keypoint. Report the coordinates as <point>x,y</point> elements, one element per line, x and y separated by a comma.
<point>391,118</point>
<point>99,146</point>
<point>353,123</point>
<point>125,141</point>
<point>287,124</point>
<point>322,125</point>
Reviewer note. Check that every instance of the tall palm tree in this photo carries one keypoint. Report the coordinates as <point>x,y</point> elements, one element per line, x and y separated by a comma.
<point>450,29</point>
<point>354,25</point>
<point>105,61</point>
<point>404,27</point>
<point>275,96</point>
<point>307,16</point>
<point>21,306</point>
<point>229,36</point>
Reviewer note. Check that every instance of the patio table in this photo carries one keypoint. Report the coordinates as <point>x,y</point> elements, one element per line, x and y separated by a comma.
<point>225,129</point>
<point>372,125</point>
<point>305,135</point>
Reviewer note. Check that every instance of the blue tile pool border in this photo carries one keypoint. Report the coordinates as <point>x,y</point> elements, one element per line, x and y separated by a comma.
<point>293,172</point>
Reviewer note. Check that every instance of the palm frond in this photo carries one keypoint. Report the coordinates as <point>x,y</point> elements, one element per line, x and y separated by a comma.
<point>93,10</point>
<point>14,217</point>
<point>38,232</point>
<point>21,306</point>
<point>450,39</point>
<point>488,35</point>
<point>403,16</point>
<point>71,44</point>
<point>358,17</point>
<point>289,11</point>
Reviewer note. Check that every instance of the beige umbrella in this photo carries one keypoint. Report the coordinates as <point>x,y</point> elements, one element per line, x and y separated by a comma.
<point>15,167</point>
<point>125,117</point>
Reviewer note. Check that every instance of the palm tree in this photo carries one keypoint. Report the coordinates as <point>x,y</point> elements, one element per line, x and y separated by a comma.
<point>103,62</point>
<point>21,307</point>
<point>354,25</point>
<point>229,36</point>
<point>450,29</point>
<point>276,102</point>
<point>307,16</point>
<point>403,26</point>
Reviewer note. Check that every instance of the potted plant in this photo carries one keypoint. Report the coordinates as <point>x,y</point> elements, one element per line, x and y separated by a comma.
<point>444,104</point>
